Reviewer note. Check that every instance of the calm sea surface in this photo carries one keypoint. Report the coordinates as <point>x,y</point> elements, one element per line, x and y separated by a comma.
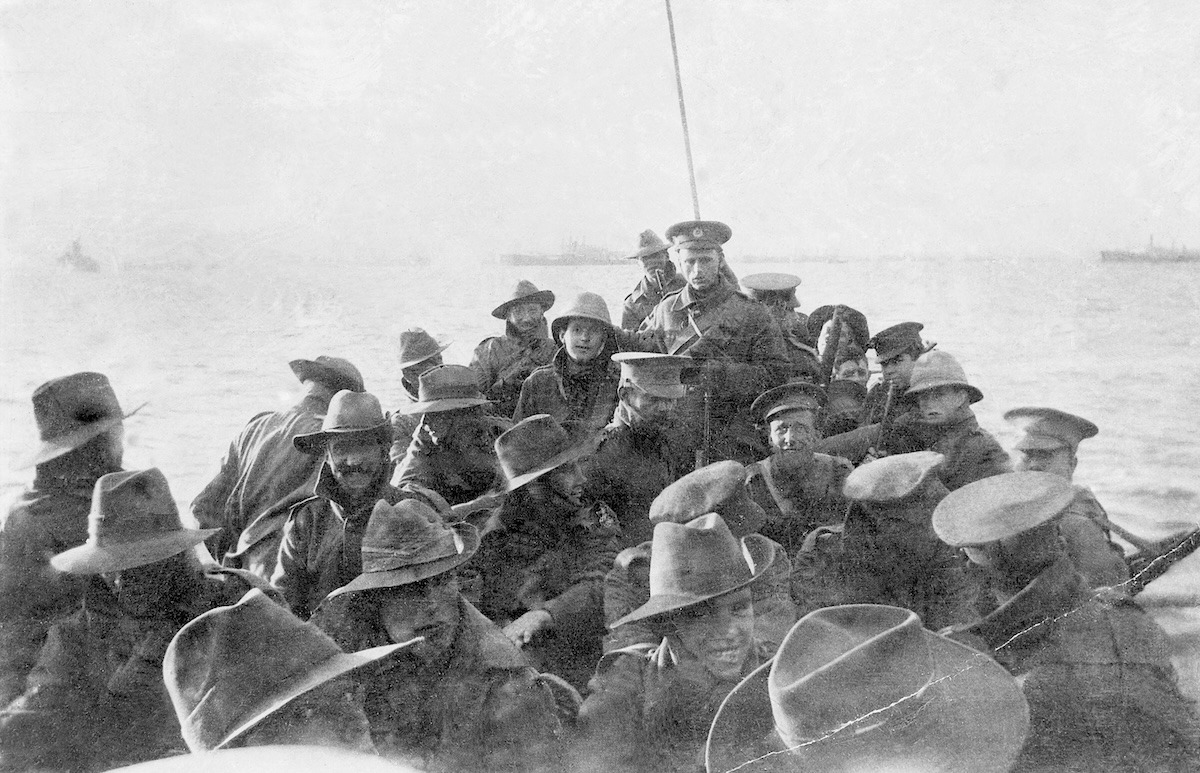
<point>207,347</point>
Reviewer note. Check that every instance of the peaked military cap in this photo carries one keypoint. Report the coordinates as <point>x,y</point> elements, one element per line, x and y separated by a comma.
<point>765,285</point>
<point>795,395</point>
<point>1000,506</point>
<point>655,374</point>
<point>891,478</point>
<point>897,339</point>
<point>699,233</point>
<point>648,244</point>
<point>1050,428</point>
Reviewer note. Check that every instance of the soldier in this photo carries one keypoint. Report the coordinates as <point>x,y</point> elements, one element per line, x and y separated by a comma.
<point>734,339</point>
<point>580,383</point>
<point>82,429</point>
<point>1049,444</point>
<point>864,687</point>
<point>851,365</point>
<point>452,451</point>
<point>419,353</point>
<point>542,564</point>
<point>896,349</point>
<point>640,452</point>
<point>650,705</point>
<point>253,674</point>
<point>659,280</point>
<point>460,698</point>
<point>502,363</point>
<point>323,534</point>
<point>777,292</point>
<point>854,332</point>
<point>718,488</point>
<point>797,488</point>
<point>263,474</point>
<point>1096,670</point>
<point>96,698</point>
<point>844,410</point>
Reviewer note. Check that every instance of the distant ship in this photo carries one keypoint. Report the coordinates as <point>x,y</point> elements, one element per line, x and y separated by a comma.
<point>1152,254</point>
<point>574,253</point>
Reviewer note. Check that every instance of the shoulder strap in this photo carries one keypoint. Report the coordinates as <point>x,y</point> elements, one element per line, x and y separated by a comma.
<point>783,503</point>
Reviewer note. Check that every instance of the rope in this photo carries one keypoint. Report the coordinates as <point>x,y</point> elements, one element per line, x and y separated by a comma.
<point>687,142</point>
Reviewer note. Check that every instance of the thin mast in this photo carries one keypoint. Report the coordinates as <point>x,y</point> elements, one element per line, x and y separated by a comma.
<point>687,141</point>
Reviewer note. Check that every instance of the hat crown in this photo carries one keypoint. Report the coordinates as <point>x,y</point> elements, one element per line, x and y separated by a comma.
<point>132,506</point>
<point>417,346</point>
<point>1000,506</point>
<point>696,560</point>
<point>221,665</point>
<point>847,664</point>
<point>70,403</point>
<point>655,373</point>
<point>795,395</point>
<point>351,411</point>
<point>892,478</point>
<point>524,291</point>
<point>648,243</point>
<point>530,443</point>
<point>1050,428</point>
<point>893,340</point>
<point>586,305</point>
<point>714,488</point>
<point>708,233</point>
<point>448,382</point>
<point>335,373</point>
<point>407,534</point>
<point>936,369</point>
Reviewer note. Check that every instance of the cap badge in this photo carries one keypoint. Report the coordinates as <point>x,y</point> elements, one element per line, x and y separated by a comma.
<point>698,232</point>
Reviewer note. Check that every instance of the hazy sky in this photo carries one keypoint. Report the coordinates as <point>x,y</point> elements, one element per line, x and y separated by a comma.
<point>456,129</point>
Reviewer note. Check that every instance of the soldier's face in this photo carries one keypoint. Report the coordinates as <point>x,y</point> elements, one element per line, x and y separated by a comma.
<point>427,608</point>
<point>1057,461</point>
<point>940,404</point>
<point>701,267</point>
<point>584,338</point>
<point>720,633</point>
<point>794,430</point>
<point>525,317</point>
<point>149,590</point>
<point>897,370</point>
<point>647,408</point>
<point>854,370</point>
<point>655,262</point>
<point>356,463</point>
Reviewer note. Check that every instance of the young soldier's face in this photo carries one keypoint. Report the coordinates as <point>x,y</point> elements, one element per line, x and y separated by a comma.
<point>794,430</point>
<point>584,338</point>
<point>1057,461</point>
<point>854,370</point>
<point>701,266</point>
<point>940,404</point>
<point>525,317</point>
<point>646,407</point>
<point>719,633</point>
<point>898,370</point>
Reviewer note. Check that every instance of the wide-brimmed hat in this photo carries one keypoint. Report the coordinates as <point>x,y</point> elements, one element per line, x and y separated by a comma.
<point>648,244</point>
<point>272,757</point>
<point>333,372</point>
<point>897,339</point>
<point>718,488</point>
<point>134,521</point>
<point>698,233</point>
<point>854,319</point>
<point>939,369</point>
<point>794,395</point>
<point>538,444</point>
<point>1000,506</point>
<point>892,478</point>
<point>698,561</point>
<point>232,667</point>
<point>654,374</point>
<point>69,412</point>
<point>408,542</point>
<point>350,413</point>
<point>446,388</point>
<point>760,286</point>
<point>417,346</point>
<point>1050,428</point>
<point>865,687</point>
<point>585,306</point>
<point>524,292</point>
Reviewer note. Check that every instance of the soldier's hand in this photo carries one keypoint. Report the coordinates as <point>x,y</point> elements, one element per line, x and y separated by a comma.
<point>522,630</point>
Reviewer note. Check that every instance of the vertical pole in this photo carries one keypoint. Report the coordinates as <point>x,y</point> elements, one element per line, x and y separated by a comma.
<point>687,141</point>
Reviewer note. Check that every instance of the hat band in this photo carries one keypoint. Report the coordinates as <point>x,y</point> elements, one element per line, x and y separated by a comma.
<point>902,711</point>
<point>389,559</point>
<point>451,392</point>
<point>132,528</point>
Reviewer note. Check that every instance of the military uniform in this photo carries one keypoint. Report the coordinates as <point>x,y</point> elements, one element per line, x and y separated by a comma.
<point>570,391</point>
<point>648,294</point>
<point>796,505</point>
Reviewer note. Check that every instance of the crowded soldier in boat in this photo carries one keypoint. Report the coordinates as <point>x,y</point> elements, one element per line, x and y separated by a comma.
<point>694,540</point>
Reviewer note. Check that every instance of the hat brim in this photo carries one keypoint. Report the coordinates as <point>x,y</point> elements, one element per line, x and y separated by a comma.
<point>410,574</point>
<point>543,297</point>
<point>96,559</point>
<point>761,552</point>
<point>977,723</point>
<point>572,453</point>
<point>335,380</point>
<point>646,252</point>
<point>441,348</point>
<point>560,323</point>
<point>287,691</point>
<point>314,442</point>
<point>1041,443</point>
<point>63,444</point>
<point>972,392</point>
<point>437,406</point>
